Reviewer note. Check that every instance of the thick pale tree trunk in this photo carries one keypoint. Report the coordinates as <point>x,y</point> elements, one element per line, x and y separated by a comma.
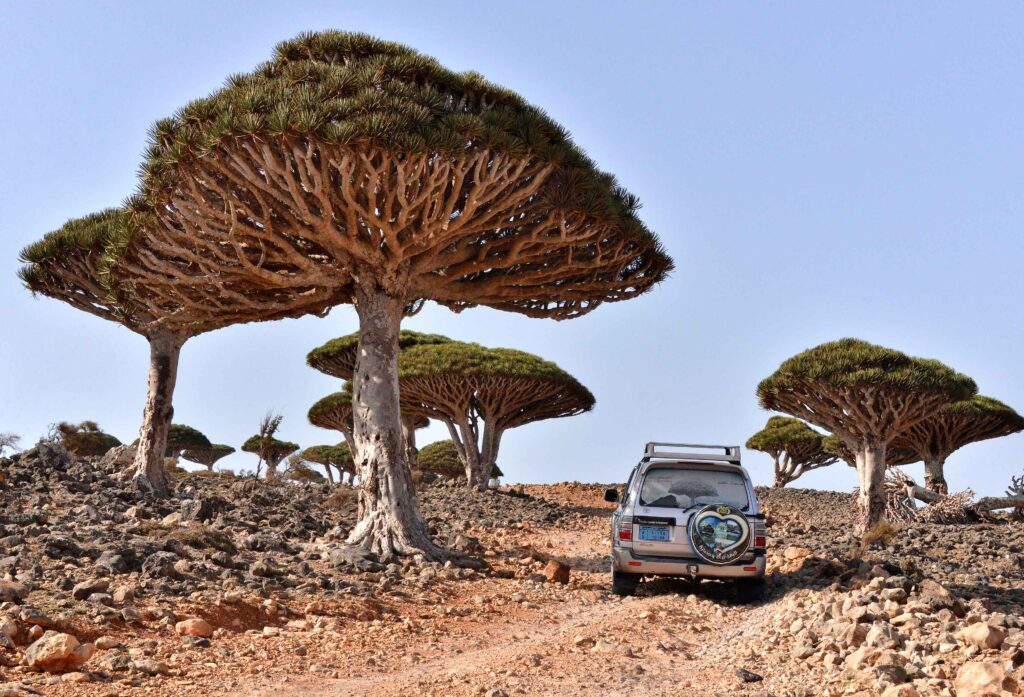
<point>150,476</point>
<point>934,475</point>
<point>489,456</point>
<point>409,433</point>
<point>389,519</point>
<point>871,473</point>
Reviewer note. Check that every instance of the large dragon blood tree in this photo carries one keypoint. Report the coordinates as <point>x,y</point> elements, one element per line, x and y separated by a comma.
<point>94,264</point>
<point>866,395</point>
<point>795,448</point>
<point>208,456</point>
<point>364,167</point>
<point>934,439</point>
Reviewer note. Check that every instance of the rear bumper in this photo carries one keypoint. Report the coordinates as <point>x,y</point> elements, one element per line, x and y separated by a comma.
<point>624,561</point>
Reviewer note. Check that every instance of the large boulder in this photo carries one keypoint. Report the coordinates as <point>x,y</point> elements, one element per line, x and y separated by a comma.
<point>983,635</point>
<point>55,652</point>
<point>982,679</point>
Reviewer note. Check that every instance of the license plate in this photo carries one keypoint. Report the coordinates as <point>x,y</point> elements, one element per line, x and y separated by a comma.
<point>654,533</point>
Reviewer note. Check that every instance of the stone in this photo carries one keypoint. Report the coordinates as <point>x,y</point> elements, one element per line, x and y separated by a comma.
<point>83,590</point>
<point>981,679</point>
<point>150,666</point>
<point>931,589</point>
<point>112,563</point>
<point>11,592</point>
<point>901,691</point>
<point>983,635</point>
<point>556,572</point>
<point>56,652</point>
<point>159,564</point>
<point>794,553</point>
<point>194,628</point>
<point>106,643</point>
<point>198,510</point>
<point>748,676</point>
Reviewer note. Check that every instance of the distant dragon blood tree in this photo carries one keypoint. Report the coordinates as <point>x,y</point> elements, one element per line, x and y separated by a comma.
<point>866,395</point>
<point>181,437</point>
<point>480,393</point>
<point>934,439</point>
<point>795,448</point>
<point>85,439</point>
<point>91,264</point>
<point>352,170</point>
<point>337,456</point>
<point>270,451</point>
<point>442,457</point>
<point>337,358</point>
<point>208,456</point>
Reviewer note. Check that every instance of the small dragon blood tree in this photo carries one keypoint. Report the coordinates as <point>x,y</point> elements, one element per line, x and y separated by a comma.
<point>85,439</point>
<point>795,448</point>
<point>866,395</point>
<point>338,457</point>
<point>443,457</point>
<point>947,430</point>
<point>92,264</point>
<point>364,170</point>
<point>270,451</point>
<point>208,456</point>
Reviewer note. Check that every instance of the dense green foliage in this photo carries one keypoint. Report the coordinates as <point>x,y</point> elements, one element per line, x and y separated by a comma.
<point>332,411</point>
<point>850,363</point>
<point>457,358</point>
<point>982,407</point>
<point>346,89</point>
<point>782,433</point>
<point>442,457</point>
<point>87,235</point>
<point>85,439</point>
<point>337,357</point>
<point>207,455</point>
<point>277,450</point>
<point>181,437</point>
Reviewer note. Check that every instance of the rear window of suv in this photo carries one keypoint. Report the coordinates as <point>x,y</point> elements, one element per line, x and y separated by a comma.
<point>672,487</point>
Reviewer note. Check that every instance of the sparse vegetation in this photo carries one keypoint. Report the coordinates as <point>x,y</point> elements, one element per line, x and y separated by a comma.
<point>270,450</point>
<point>85,439</point>
<point>8,441</point>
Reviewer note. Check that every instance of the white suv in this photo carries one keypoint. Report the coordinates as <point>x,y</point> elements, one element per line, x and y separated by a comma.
<point>691,511</point>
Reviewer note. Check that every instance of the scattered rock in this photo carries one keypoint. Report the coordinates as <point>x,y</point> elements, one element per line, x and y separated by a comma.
<point>982,679</point>
<point>55,652</point>
<point>556,572</point>
<point>194,628</point>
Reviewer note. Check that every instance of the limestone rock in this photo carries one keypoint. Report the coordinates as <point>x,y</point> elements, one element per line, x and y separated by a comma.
<point>56,652</point>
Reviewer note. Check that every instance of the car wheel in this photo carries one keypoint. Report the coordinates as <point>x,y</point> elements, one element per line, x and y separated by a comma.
<point>624,584</point>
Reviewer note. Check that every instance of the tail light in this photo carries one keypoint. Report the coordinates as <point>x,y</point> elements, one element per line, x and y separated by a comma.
<point>760,542</point>
<point>626,532</point>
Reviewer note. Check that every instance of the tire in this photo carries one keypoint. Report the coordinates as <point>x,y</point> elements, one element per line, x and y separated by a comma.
<point>750,590</point>
<point>624,584</point>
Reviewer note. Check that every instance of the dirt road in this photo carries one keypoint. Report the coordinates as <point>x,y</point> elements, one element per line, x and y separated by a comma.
<point>511,636</point>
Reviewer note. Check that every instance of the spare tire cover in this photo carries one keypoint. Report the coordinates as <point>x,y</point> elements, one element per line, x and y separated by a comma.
<point>719,533</point>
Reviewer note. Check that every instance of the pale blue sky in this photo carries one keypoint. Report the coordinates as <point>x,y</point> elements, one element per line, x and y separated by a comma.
<point>817,170</point>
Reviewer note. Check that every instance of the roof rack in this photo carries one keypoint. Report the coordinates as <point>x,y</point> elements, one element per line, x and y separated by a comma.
<point>666,451</point>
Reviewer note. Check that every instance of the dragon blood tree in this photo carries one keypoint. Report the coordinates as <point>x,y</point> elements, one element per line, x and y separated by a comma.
<point>934,439</point>
<point>442,457</point>
<point>207,456</point>
<point>270,451</point>
<point>85,439</point>
<point>866,395</point>
<point>365,169</point>
<point>331,456</point>
<point>479,393</point>
<point>95,265</point>
<point>795,448</point>
<point>337,358</point>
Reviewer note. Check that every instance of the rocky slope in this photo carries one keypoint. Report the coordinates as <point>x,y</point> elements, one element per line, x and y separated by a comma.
<point>242,587</point>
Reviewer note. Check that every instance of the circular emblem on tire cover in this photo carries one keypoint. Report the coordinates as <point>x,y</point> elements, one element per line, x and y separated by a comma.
<point>718,533</point>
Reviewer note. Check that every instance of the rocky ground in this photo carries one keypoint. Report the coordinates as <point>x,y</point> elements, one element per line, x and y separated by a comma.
<point>238,587</point>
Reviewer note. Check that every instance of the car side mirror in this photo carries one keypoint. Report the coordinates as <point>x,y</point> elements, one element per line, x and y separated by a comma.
<point>611,495</point>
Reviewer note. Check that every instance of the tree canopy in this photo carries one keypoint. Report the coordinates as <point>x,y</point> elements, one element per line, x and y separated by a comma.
<point>950,428</point>
<point>337,357</point>
<point>181,437</point>
<point>208,455</point>
<point>795,448</point>
<point>85,439</point>
<point>442,457</point>
<point>274,452</point>
<point>333,412</point>
<point>337,455</point>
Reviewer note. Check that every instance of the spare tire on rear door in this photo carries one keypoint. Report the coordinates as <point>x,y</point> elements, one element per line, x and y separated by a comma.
<point>719,533</point>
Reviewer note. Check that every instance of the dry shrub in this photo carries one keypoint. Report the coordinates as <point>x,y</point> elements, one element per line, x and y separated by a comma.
<point>951,509</point>
<point>204,537</point>
<point>881,533</point>
<point>341,498</point>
